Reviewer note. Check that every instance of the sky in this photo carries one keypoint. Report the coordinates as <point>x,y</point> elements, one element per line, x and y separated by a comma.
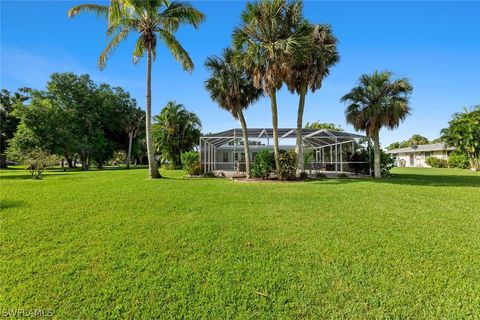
<point>434,44</point>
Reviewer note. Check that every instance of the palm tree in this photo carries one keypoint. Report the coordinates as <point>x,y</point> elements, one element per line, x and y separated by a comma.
<point>269,36</point>
<point>133,124</point>
<point>176,130</point>
<point>308,71</point>
<point>377,101</point>
<point>232,88</point>
<point>153,20</point>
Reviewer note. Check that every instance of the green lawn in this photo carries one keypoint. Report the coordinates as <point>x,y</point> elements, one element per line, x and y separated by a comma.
<point>111,243</point>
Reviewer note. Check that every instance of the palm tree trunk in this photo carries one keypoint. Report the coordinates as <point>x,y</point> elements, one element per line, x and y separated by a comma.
<point>152,165</point>
<point>299,145</point>
<point>246,147</point>
<point>376,154</point>
<point>273,105</point>
<point>129,152</point>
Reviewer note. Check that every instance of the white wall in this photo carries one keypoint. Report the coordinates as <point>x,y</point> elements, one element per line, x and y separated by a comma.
<point>404,159</point>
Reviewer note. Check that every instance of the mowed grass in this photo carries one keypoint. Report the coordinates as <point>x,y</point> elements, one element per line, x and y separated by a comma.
<point>113,244</point>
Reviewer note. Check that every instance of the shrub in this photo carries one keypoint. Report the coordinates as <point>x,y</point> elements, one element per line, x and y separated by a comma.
<point>357,162</point>
<point>209,174</point>
<point>303,175</point>
<point>435,162</point>
<point>386,161</point>
<point>288,164</point>
<point>263,164</point>
<point>191,163</point>
<point>37,160</point>
<point>458,160</point>
<point>320,175</point>
<point>342,176</point>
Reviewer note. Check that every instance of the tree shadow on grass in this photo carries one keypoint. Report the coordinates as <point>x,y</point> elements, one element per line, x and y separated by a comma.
<point>28,176</point>
<point>414,180</point>
<point>433,180</point>
<point>9,204</point>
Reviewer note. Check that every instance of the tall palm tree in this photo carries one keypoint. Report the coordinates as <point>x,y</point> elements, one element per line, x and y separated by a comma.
<point>308,71</point>
<point>153,20</point>
<point>176,130</point>
<point>377,101</point>
<point>269,35</point>
<point>232,88</point>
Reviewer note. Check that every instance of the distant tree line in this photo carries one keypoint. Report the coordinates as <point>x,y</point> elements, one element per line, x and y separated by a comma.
<point>76,119</point>
<point>414,140</point>
<point>80,121</point>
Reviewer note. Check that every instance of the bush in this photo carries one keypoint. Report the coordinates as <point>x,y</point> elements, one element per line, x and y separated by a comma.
<point>357,163</point>
<point>303,175</point>
<point>435,162</point>
<point>458,160</point>
<point>209,174</point>
<point>321,175</point>
<point>191,163</point>
<point>263,164</point>
<point>386,161</point>
<point>288,164</point>
<point>37,160</point>
<point>342,176</point>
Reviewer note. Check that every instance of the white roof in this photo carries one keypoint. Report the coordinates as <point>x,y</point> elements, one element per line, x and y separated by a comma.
<point>423,148</point>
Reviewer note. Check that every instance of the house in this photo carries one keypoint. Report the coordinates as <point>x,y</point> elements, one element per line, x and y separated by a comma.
<point>416,155</point>
<point>224,151</point>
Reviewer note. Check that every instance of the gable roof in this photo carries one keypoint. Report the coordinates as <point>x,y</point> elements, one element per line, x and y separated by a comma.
<point>423,148</point>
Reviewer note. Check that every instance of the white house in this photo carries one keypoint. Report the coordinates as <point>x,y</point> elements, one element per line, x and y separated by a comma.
<point>415,156</point>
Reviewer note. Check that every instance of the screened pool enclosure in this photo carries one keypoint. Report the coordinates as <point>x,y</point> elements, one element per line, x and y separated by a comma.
<point>328,150</point>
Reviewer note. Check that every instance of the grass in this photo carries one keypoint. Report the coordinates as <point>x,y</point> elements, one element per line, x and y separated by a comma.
<point>112,244</point>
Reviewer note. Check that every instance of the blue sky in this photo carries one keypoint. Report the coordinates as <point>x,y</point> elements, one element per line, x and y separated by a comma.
<point>435,44</point>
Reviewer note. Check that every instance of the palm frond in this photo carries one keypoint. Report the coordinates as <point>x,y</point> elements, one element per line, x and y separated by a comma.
<point>100,10</point>
<point>102,60</point>
<point>181,12</point>
<point>176,49</point>
<point>138,51</point>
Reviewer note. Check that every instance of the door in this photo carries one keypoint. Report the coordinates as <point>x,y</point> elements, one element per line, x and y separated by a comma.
<point>412,160</point>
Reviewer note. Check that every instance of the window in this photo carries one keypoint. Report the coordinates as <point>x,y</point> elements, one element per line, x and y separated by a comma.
<point>254,155</point>
<point>242,157</point>
<point>236,156</point>
<point>428,154</point>
<point>225,156</point>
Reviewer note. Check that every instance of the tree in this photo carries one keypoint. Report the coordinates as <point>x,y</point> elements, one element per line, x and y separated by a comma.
<point>415,140</point>
<point>153,21</point>
<point>232,88</point>
<point>377,101</point>
<point>74,117</point>
<point>270,36</point>
<point>463,133</point>
<point>81,112</point>
<point>37,161</point>
<point>41,127</point>
<point>176,130</point>
<point>9,120</point>
<point>323,125</point>
<point>133,125</point>
<point>308,71</point>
